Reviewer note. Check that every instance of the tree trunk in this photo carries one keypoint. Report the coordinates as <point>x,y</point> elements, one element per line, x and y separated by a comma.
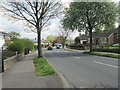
<point>39,44</point>
<point>90,34</point>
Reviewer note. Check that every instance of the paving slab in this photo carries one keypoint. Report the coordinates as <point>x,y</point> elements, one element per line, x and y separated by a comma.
<point>21,75</point>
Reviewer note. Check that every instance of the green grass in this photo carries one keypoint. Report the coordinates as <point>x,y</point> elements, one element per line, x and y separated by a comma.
<point>42,67</point>
<point>110,47</point>
<point>103,54</point>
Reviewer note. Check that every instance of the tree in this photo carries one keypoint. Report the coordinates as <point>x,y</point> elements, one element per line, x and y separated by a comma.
<point>90,16</point>
<point>63,35</point>
<point>50,38</point>
<point>14,35</point>
<point>77,40</point>
<point>36,13</point>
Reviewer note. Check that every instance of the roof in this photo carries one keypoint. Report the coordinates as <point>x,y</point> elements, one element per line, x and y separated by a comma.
<point>116,30</point>
<point>99,35</point>
<point>3,32</point>
<point>83,37</point>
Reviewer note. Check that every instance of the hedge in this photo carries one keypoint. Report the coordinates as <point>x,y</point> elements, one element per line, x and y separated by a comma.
<point>77,46</point>
<point>16,45</point>
<point>108,50</point>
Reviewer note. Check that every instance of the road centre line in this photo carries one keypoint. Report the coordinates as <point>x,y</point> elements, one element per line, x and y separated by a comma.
<point>105,64</point>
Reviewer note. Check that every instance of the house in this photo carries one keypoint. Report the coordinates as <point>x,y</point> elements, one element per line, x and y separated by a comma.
<point>5,38</point>
<point>84,39</point>
<point>102,38</point>
<point>2,41</point>
<point>113,38</point>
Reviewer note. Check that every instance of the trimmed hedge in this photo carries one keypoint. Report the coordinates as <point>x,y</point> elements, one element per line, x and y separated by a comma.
<point>103,54</point>
<point>77,46</point>
<point>108,50</point>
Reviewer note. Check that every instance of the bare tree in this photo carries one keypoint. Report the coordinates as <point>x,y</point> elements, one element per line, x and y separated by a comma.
<point>63,35</point>
<point>37,13</point>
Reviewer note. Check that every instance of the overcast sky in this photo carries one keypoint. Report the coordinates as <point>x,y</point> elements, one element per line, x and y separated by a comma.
<point>7,25</point>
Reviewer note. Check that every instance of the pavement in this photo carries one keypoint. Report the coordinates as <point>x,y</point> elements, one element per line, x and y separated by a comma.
<point>84,71</point>
<point>21,75</point>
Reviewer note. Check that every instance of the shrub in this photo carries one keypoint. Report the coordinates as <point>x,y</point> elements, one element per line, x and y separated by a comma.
<point>107,50</point>
<point>6,54</point>
<point>28,44</point>
<point>16,45</point>
<point>76,46</point>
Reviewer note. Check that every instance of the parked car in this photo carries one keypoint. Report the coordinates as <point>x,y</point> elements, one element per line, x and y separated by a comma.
<point>49,48</point>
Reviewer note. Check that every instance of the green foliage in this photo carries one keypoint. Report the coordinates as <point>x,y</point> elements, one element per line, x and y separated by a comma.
<point>20,45</point>
<point>94,15</point>
<point>42,68</point>
<point>16,45</point>
<point>77,46</point>
<point>50,38</point>
<point>111,50</point>
<point>7,53</point>
<point>28,44</point>
<point>104,54</point>
<point>14,35</point>
<point>77,40</point>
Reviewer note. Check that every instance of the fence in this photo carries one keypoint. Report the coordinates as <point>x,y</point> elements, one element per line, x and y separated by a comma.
<point>11,60</point>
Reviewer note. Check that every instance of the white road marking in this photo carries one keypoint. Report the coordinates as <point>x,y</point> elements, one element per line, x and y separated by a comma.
<point>77,57</point>
<point>105,64</point>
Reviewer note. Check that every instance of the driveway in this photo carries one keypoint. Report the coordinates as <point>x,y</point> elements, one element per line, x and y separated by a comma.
<point>85,71</point>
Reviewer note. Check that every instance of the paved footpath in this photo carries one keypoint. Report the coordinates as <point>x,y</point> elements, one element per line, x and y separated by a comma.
<point>21,75</point>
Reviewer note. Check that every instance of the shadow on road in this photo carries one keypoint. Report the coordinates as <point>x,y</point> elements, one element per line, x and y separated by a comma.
<point>64,54</point>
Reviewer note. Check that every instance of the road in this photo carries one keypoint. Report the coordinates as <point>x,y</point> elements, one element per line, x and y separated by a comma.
<point>0,61</point>
<point>85,71</point>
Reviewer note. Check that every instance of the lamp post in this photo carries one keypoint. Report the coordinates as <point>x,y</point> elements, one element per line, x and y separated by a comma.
<point>2,61</point>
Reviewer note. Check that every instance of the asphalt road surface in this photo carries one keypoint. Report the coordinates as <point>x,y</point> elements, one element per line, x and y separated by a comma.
<point>85,71</point>
<point>0,61</point>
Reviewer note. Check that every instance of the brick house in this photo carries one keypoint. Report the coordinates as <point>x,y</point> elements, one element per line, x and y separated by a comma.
<point>102,38</point>
<point>113,37</point>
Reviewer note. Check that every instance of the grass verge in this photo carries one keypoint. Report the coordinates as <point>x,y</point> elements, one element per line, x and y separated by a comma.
<point>103,54</point>
<point>42,67</point>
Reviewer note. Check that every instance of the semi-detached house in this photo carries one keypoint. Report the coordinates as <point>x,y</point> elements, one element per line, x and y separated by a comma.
<point>102,38</point>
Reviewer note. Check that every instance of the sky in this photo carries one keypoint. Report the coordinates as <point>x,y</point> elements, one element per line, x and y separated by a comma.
<point>8,25</point>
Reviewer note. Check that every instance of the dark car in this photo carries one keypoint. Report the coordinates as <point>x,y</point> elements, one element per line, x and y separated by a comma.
<point>57,46</point>
<point>49,48</point>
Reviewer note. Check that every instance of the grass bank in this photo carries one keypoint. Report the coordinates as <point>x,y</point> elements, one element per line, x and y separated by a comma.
<point>42,67</point>
<point>104,54</point>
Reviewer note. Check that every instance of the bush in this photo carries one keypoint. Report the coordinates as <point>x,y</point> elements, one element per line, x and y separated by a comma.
<point>16,45</point>
<point>21,45</point>
<point>107,50</point>
<point>77,46</point>
<point>28,44</point>
<point>6,54</point>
